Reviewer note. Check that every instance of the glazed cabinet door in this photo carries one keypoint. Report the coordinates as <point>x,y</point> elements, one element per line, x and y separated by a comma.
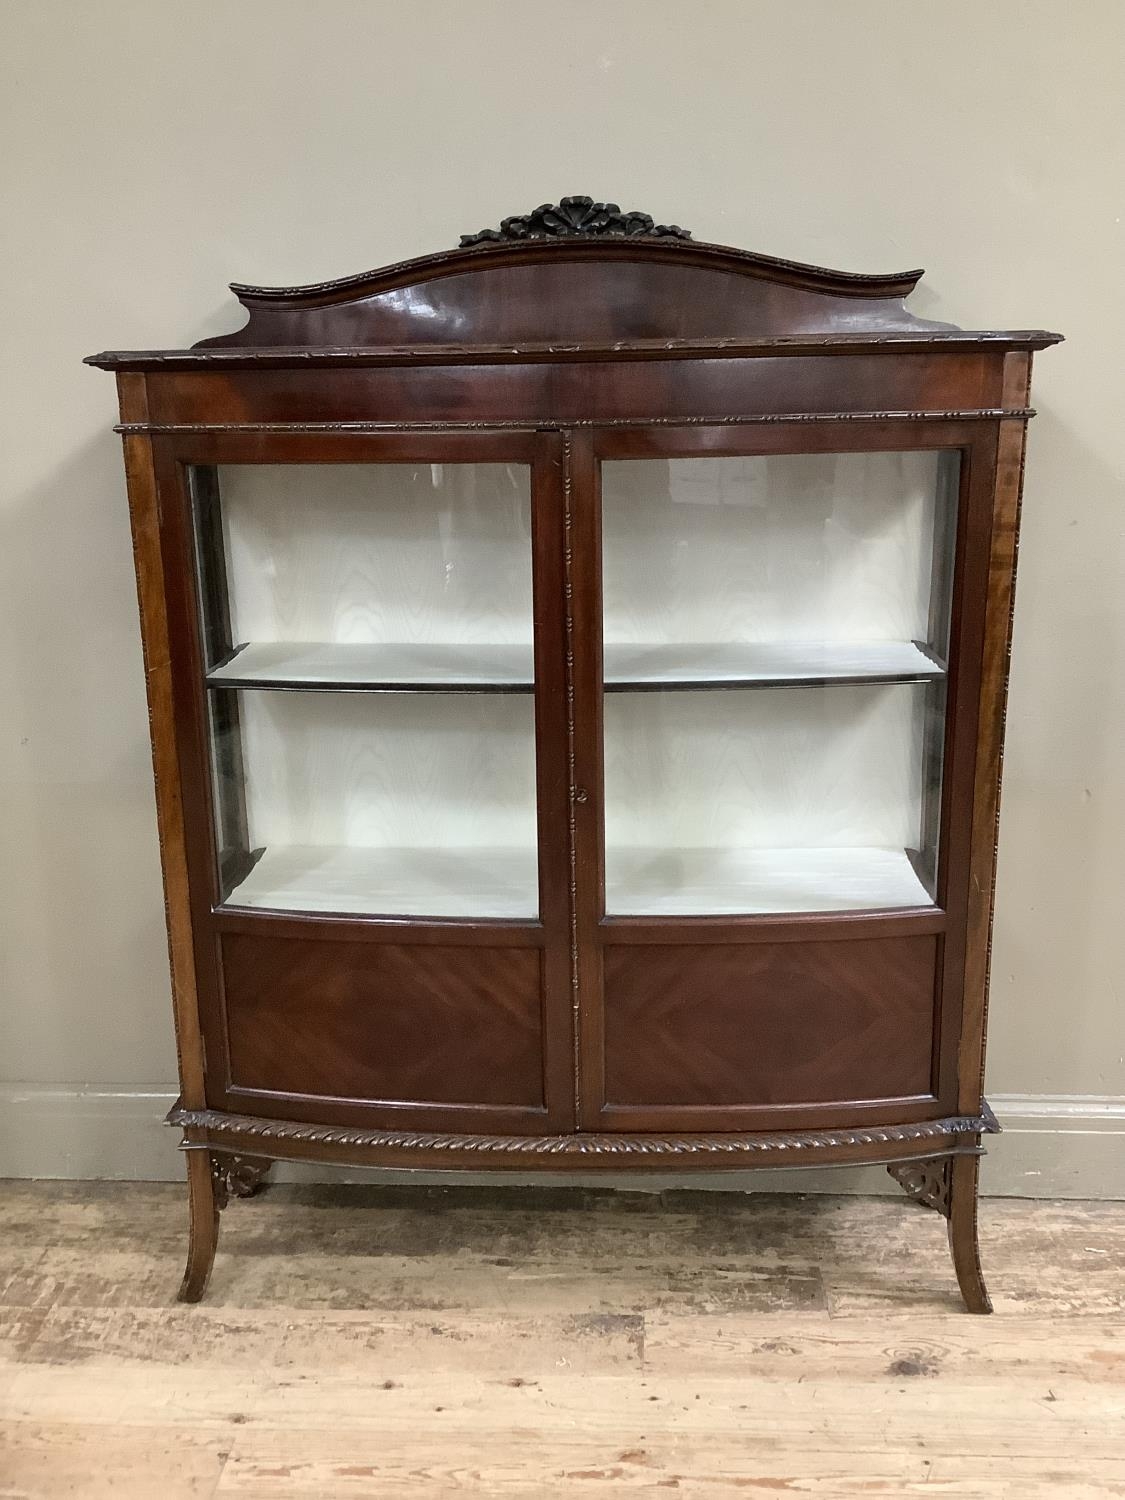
<point>772,673</point>
<point>372,658</point>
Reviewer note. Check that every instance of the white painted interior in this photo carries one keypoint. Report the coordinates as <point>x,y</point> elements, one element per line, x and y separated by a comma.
<point>787,799</point>
<point>409,803</point>
<point>415,804</point>
<point>715,570</point>
<point>793,783</point>
<point>820,547</point>
<point>405,554</point>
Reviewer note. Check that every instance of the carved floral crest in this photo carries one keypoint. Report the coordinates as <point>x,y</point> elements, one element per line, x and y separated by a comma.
<point>576,216</point>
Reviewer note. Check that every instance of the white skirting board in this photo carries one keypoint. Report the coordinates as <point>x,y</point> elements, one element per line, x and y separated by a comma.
<point>1053,1146</point>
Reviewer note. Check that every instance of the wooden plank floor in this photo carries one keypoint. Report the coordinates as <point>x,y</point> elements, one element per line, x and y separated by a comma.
<point>362,1342</point>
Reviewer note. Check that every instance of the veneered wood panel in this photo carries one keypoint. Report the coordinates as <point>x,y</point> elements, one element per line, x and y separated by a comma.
<point>573,289</point>
<point>705,1027</point>
<point>384,1022</point>
<point>561,393</point>
<point>547,286</point>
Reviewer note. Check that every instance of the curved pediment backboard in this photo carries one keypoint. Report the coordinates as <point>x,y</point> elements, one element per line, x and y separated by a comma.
<point>576,271</point>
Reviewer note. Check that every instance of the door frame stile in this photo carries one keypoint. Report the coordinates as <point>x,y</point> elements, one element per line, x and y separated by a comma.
<point>582,498</point>
<point>550,493</point>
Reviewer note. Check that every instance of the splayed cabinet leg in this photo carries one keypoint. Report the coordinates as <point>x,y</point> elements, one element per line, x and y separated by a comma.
<point>203,1227</point>
<point>948,1185</point>
<point>964,1244</point>
<point>214,1178</point>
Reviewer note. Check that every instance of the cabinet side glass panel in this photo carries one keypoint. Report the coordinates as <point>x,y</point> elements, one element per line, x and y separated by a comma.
<point>367,634</point>
<point>776,632</point>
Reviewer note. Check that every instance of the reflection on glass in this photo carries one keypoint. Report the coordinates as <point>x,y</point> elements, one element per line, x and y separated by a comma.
<point>358,621</point>
<point>775,638</point>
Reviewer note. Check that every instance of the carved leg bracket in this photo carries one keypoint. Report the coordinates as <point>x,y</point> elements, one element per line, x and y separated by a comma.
<point>236,1176</point>
<point>928,1182</point>
<point>948,1184</point>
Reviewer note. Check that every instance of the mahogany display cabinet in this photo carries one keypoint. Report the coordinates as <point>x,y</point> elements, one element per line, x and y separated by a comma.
<point>577,665</point>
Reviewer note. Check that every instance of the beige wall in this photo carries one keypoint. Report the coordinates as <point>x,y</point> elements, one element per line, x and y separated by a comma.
<point>154,151</point>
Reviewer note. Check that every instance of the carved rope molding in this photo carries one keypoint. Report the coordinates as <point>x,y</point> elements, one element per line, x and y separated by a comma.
<point>251,1126</point>
<point>577,216</point>
<point>565,423</point>
<point>571,760</point>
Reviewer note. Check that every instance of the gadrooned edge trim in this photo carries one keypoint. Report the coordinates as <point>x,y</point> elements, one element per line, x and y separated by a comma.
<point>253,1127</point>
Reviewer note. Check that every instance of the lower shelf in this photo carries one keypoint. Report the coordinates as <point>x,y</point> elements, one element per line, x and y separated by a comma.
<point>472,882</point>
<point>692,882</point>
<point>503,882</point>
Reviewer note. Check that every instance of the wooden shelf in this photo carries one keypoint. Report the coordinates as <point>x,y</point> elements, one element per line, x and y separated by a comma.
<point>503,882</point>
<point>456,668</point>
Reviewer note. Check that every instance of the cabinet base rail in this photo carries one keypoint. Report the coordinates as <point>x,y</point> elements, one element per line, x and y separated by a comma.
<point>936,1161</point>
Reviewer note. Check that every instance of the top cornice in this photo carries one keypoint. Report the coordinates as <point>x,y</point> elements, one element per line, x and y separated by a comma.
<point>575,279</point>
<point>249,357</point>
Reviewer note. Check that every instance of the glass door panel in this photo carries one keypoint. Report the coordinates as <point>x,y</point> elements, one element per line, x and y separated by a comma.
<point>775,638</point>
<point>368,640</point>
